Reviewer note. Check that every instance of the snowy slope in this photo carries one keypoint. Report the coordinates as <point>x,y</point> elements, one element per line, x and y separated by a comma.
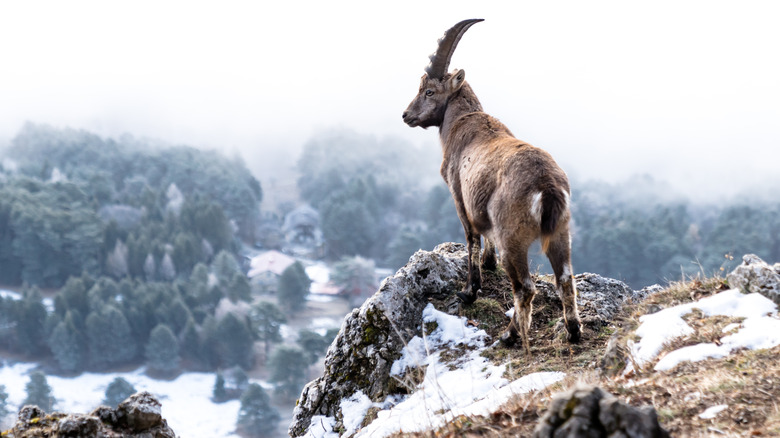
<point>185,400</point>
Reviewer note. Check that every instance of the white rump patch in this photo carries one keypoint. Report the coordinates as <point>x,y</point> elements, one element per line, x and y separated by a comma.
<point>536,207</point>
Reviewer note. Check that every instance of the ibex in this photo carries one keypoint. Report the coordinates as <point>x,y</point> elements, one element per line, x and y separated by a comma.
<point>505,190</point>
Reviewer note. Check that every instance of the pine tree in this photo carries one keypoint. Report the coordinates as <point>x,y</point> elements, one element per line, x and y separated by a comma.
<point>293,287</point>
<point>239,288</point>
<point>219,394</point>
<point>256,417</point>
<point>267,320</point>
<point>167,268</point>
<point>189,342</point>
<point>236,341</point>
<point>210,343</point>
<point>162,350</point>
<point>39,392</point>
<point>312,344</point>
<point>109,338</point>
<point>4,410</point>
<point>117,391</point>
<point>288,367</point>
<point>31,316</point>
<point>68,345</point>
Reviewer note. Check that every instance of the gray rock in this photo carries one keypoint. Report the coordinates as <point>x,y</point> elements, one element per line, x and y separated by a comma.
<point>606,296</point>
<point>78,425</point>
<point>588,411</point>
<point>137,417</point>
<point>141,411</point>
<point>372,337</point>
<point>756,276</point>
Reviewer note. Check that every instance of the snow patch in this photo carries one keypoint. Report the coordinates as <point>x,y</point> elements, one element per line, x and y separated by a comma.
<point>759,329</point>
<point>354,410</point>
<point>472,386</point>
<point>712,411</point>
<point>321,427</point>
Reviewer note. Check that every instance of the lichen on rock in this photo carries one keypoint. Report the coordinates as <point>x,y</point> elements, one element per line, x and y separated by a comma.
<point>372,337</point>
<point>137,417</point>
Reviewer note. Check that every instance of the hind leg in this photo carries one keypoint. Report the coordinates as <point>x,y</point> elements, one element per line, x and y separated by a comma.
<point>516,265</point>
<point>474,282</point>
<point>559,253</point>
<point>489,256</point>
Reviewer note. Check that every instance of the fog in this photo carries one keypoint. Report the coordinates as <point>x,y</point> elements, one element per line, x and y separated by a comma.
<point>685,91</point>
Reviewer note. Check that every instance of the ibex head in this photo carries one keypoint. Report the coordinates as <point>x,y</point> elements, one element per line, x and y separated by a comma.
<point>436,86</point>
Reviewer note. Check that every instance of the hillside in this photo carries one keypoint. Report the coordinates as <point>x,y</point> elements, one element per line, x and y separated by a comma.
<point>412,362</point>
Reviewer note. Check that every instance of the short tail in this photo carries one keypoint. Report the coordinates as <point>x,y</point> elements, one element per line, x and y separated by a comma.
<point>554,205</point>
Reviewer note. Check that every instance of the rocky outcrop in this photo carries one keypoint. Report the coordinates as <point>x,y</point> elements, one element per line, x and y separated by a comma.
<point>588,411</point>
<point>372,337</point>
<point>755,275</point>
<point>139,416</point>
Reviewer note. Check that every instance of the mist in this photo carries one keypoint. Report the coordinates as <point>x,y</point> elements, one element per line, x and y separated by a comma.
<point>686,93</point>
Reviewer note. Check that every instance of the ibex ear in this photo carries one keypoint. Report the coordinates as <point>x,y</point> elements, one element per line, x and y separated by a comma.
<point>457,79</point>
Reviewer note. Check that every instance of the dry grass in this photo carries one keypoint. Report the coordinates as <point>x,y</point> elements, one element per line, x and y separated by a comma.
<point>747,381</point>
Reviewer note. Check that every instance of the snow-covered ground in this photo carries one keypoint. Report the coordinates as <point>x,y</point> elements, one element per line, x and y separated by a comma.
<point>474,387</point>
<point>186,402</point>
<point>760,328</point>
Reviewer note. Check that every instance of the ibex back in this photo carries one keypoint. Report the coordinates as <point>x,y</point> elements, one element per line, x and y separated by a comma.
<point>504,189</point>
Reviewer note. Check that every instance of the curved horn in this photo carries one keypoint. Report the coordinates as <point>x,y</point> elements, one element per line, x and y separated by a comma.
<point>440,59</point>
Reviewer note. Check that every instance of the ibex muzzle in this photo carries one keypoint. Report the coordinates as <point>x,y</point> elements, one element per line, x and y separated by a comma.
<point>505,190</point>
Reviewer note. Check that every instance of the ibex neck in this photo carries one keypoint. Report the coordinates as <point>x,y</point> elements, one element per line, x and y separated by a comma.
<point>461,103</point>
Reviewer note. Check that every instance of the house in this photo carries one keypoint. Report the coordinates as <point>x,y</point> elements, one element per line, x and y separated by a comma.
<point>266,268</point>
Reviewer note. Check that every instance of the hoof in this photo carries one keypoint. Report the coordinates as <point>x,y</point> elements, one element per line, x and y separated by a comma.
<point>467,298</point>
<point>574,332</point>
<point>507,338</point>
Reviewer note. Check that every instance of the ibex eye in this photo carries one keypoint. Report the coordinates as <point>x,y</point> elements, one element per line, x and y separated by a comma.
<point>429,93</point>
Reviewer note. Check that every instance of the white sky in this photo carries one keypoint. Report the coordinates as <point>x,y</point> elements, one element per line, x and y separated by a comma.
<point>688,90</point>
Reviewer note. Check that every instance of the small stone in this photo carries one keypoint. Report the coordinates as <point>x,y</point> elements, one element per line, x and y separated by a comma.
<point>141,411</point>
<point>756,276</point>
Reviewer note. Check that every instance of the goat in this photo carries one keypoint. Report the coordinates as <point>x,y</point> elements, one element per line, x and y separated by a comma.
<point>505,190</point>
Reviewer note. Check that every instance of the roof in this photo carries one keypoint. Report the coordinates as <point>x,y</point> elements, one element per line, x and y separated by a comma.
<point>270,261</point>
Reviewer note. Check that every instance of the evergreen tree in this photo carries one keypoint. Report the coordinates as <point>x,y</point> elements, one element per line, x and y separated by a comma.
<point>239,289</point>
<point>288,367</point>
<point>167,268</point>
<point>162,350</point>
<point>219,394</point>
<point>68,345</point>
<point>267,320</point>
<point>118,391</point>
<point>210,343</point>
<point>109,338</point>
<point>293,287</point>
<point>189,342</point>
<point>256,417</point>
<point>312,344</point>
<point>4,409</point>
<point>39,392</point>
<point>225,266</point>
<point>236,341</point>
<point>31,316</point>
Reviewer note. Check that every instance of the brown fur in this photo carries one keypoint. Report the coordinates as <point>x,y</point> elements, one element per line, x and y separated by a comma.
<point>494,179</point>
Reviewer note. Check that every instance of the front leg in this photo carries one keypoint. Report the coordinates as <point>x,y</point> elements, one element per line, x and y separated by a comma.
<point>474,282</point>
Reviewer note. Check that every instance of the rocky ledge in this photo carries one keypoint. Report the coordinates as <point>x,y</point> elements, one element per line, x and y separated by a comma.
<point>138,416</point>
<point>372,337</point>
